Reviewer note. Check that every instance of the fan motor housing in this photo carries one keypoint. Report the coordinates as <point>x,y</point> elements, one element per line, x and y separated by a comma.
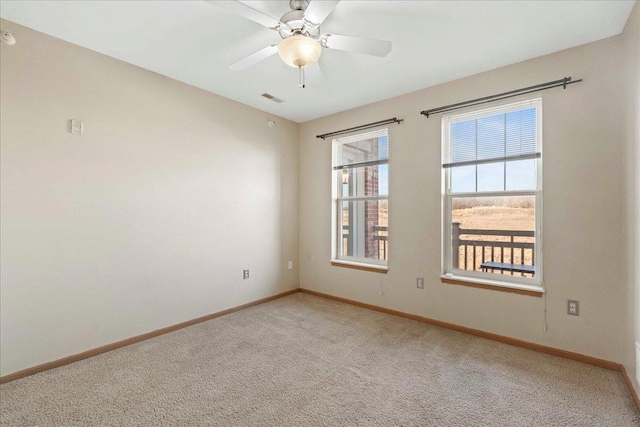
<point>298,25</point>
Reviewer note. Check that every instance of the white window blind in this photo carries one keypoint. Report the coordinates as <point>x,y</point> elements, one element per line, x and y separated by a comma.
<point>360,150</point>
<point>480,138</point>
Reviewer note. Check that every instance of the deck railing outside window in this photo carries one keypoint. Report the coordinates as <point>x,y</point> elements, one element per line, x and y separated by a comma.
<point>473,249</point>
<point>380,236</point>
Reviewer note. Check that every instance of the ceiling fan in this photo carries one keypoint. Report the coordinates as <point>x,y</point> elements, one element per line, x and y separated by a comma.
<point>302,41</point>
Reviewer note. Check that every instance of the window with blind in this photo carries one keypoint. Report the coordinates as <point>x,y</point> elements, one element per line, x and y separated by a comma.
<point>492,191</point>
<point>361,198</point>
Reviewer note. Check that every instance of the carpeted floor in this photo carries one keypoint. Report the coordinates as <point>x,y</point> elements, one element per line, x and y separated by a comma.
<point>303,361</point>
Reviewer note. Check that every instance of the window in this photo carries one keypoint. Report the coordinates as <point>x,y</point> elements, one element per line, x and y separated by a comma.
<point>492,188</point>
<point>361,198</point>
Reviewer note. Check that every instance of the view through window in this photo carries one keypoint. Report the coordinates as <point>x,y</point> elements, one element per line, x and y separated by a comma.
<point>492,174</point>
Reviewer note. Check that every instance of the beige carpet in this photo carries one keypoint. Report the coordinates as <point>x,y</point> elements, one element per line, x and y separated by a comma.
<point>303,360</point>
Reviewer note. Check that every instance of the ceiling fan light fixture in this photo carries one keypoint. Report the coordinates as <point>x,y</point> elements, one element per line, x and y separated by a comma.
<point>299,51</point>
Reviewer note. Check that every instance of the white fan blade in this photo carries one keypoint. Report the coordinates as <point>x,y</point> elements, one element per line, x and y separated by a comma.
<point>254,58</point>
<point>247,12</point>
<point>318,10</point>
<point>313,76</point>
<point>379,48</point>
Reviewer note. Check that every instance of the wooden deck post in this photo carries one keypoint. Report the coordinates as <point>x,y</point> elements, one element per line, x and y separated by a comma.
<point>455,245</point>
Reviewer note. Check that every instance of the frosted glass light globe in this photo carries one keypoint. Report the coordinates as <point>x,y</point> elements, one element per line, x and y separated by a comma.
<point>299,51</point>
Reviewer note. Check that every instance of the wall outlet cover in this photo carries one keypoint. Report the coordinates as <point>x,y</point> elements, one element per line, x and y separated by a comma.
<point>420,282</point>
<point>573,307</point>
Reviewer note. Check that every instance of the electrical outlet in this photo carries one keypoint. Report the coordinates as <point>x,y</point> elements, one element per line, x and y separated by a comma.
<point>420,282</point>
<point>245,274</point>
<point>290,265</point>
<point>573,307</point>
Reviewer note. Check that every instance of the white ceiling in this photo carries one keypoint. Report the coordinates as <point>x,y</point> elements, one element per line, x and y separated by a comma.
<point>433,42</point>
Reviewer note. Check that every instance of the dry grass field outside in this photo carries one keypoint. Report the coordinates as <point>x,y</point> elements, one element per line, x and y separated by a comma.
<point>495,218</point>
<point>500,213</point>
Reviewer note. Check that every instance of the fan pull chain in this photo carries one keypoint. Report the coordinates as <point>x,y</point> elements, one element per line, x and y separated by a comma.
<point>301,78</point>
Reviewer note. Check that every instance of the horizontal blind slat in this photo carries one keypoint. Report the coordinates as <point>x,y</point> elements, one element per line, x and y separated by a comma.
<point>494,160</point>
<point>361,164</point>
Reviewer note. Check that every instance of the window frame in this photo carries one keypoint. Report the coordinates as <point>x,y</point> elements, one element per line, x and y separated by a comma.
<point>337,199</point>
<point>486,278</point>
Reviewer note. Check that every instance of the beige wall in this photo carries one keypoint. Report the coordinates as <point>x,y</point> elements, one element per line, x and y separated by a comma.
<point>146,220</point>
<point>583,212</point>
<point>631,63</point>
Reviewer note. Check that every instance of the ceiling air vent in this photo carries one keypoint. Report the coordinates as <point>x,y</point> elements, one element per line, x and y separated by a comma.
<point>272,98</point>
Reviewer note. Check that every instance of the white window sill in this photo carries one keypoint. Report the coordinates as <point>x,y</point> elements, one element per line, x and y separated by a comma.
<point>495,285</point>
<point>374,268</point>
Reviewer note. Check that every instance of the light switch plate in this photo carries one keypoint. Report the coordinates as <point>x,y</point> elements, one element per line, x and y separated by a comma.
<point>76,127</point>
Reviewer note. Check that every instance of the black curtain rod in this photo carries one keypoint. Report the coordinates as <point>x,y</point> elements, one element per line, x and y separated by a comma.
<point>543,86</point>
<point>362,127</point>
